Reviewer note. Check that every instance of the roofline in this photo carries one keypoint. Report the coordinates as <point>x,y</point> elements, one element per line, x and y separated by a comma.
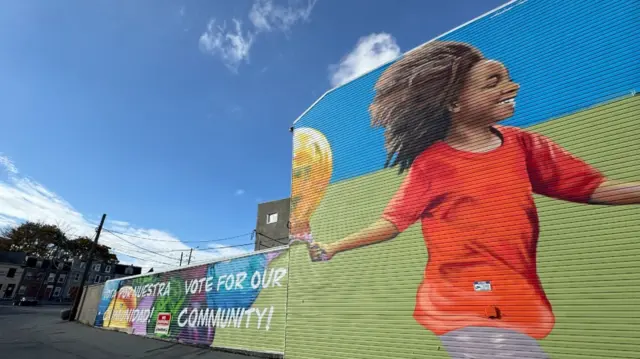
<point>415,48</point>
<point>226,259</point>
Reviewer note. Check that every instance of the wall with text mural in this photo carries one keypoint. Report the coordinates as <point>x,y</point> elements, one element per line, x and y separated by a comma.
<point>237,303</point>
<point>448,206</point>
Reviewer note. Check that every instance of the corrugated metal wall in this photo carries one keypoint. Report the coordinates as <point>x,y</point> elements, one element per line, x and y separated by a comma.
<point>498,254</point>
<point>235,304</point>
<point>500,282</point>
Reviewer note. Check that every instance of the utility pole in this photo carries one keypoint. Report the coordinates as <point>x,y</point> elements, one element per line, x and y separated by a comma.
<point>190,251</point>
<point>76,300</point>
<point>181,254</point>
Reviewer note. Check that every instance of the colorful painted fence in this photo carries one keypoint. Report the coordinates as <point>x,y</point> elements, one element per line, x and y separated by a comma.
<point>237,303</point>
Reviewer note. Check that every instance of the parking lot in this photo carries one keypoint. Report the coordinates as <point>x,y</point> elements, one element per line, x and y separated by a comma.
<point>38,332</point>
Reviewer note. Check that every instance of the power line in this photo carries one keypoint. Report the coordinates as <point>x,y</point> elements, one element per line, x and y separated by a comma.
<point>169,240</point>
<point>209,248</point>
<point>135,245</point>
<point>142,259</point>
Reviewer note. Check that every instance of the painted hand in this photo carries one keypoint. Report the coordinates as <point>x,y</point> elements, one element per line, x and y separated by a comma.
<point>320,252</point>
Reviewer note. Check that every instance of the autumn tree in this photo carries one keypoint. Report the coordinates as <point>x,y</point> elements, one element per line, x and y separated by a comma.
<point>48,241</point>
<point>35,239</point>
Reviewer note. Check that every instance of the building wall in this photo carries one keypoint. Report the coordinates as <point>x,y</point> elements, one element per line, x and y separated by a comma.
<point>99,272</point>
<point>236,304</point>
<point>9,284</point>
<point>577,66</point>
<point>42,282</point>
<point>276,234</point>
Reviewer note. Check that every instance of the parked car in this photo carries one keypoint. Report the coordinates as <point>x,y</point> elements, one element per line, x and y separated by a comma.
<point>26,301</point>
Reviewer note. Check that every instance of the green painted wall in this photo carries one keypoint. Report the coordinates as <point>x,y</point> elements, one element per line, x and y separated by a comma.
<point>360,304</point>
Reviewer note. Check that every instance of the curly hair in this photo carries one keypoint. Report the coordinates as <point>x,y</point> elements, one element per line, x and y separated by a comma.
<point>413,96</point>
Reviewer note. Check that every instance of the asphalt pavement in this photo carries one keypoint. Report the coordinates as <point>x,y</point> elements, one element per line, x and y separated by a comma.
<point>38,332</point>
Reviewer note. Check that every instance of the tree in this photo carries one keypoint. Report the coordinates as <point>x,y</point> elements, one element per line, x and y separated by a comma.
<point>48,241</point>
<point>35,239</point>
<point>81,246</point>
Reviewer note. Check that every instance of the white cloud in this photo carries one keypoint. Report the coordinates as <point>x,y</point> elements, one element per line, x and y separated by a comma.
<point>226,251</point>
<point>8,166</point>
<point>239,192</point>
<point>120,223</point>
<point>369,53</point>
<point>233,45</point>
<point>22,199</point>
<point>267,16</point>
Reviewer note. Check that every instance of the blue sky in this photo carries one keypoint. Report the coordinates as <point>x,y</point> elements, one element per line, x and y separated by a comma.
<point>172,117</point>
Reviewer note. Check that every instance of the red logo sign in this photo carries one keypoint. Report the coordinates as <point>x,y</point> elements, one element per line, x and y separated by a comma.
<point>163,323</point>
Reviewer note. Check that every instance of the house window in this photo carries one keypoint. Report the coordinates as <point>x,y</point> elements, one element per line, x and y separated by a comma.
<point>52,278</point>
<point>82,264</point>
<point>56,292</point>
<point>272,218</point>
<point>106,278</point>
<point>98,279</point>
<point>61,278</point>
<point>38,264</point>
<point>128,271</point>
<point>29,275</point>
<point>96,267</point>
<point>11,273</point>
<point>107,269</point>
<point>0,286</point>
<point>76,277</point>
<point>22,289</point>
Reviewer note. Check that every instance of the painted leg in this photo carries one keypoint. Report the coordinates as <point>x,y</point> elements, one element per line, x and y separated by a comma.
<point>491,343</point>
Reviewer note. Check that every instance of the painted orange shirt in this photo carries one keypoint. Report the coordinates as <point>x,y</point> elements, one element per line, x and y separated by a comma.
<point>480,225</point>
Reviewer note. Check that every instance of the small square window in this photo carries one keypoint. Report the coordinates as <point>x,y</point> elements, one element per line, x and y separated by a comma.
<point>96,267</point>
<point>11,273</point>
<point>272,218</point>
<point>107,269</point>
<point>76,277</point>
<point>98,279</point>
<point>56,292</point>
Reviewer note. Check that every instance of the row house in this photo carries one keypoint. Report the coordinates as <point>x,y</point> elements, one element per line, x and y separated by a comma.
<point>44,279</point>
<point>10,273</point>
<point>99,272</point>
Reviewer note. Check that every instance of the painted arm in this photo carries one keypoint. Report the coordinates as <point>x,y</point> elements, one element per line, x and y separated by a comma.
<point>380,231</point>
<point>616,193</point>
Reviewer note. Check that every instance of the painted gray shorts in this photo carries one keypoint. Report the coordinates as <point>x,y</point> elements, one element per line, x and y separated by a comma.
<point>491,343</point>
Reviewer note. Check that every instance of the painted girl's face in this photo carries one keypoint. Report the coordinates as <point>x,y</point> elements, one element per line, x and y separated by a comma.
<point>488,94</point>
